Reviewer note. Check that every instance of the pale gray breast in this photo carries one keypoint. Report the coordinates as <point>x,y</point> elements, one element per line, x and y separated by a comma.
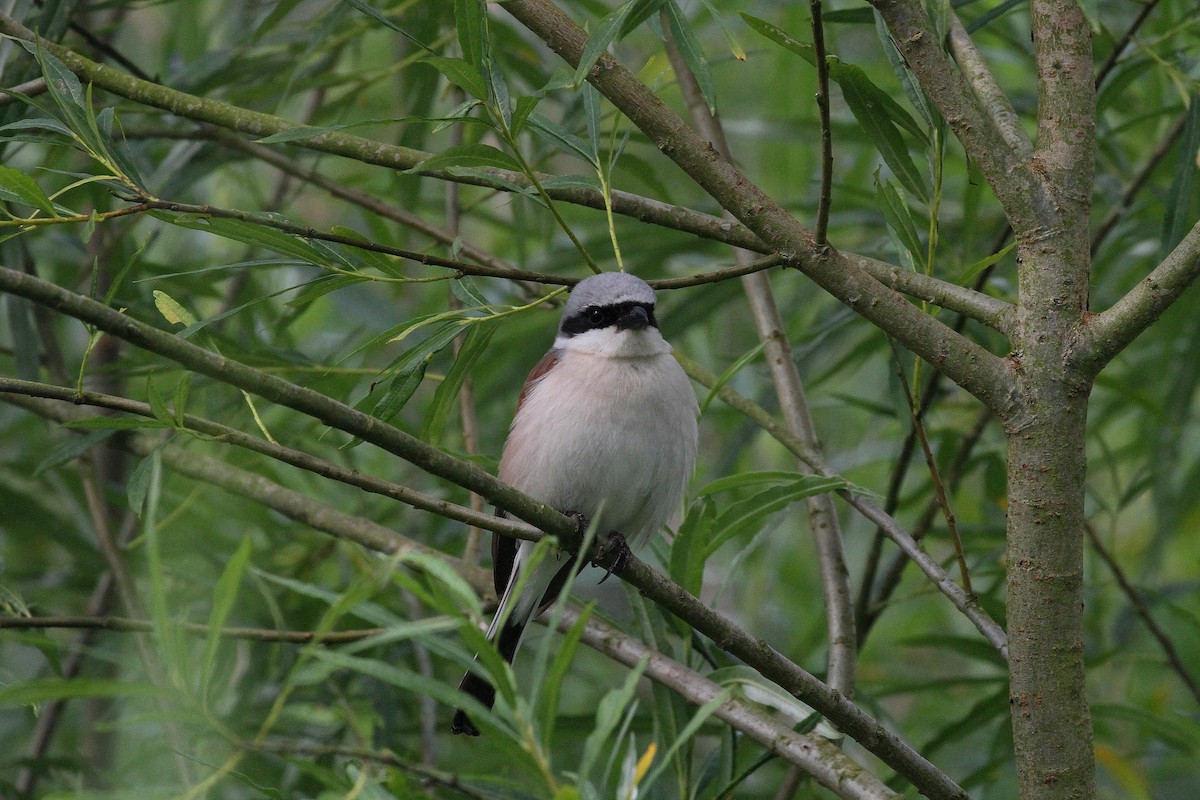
<point>617,431</point>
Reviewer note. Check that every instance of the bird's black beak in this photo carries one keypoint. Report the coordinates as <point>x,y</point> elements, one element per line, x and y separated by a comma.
<point>634,320</point>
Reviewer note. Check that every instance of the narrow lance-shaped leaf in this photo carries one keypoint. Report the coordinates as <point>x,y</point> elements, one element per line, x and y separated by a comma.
<point>688,550</point>
<point>20,188</point>
<point>880,116</point>
<point>444,398</point>
<point>900,221</point>
<point>604,34</point>
<point>223,596</point>
<point>462,74</point>
<point>1176,220</point>
<point>876,115</point>
<point>608,716</point>
<point>693,54</point>
<point>470,156</point>
<point>470,21</point>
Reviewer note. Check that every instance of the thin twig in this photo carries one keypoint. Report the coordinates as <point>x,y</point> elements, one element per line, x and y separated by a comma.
<point>673,217</point>
<point>29,88</point>
<point>789,389</point>
<point>873,600</point>
<point>291,504</point>
<point>1113,57</point>
<point>820,232</point>
<point>50,713</point>
<point>222,433</point>
<point>1105,227</point>
<point>1142,609</point>
<point>130,625</point>
<point>848,717</point>
<point>310,750</point>
<point>816,755</point>
<point>969,606</point>
<point>870,602</point>
<point>939,488</point>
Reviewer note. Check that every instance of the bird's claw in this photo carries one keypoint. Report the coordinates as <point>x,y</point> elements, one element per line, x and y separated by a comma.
<point>581,523</point>
<point>614,557</point>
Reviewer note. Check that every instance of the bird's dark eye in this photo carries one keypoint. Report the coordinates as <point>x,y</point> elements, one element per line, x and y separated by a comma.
<point>595,315</point>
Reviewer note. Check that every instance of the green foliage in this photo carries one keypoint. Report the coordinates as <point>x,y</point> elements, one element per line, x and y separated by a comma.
<point>202,694</point>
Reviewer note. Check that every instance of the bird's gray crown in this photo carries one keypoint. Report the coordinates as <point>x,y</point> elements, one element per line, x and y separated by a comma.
<point>608,289</point>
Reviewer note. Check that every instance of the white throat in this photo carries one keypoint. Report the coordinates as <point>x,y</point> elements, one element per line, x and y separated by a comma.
<point>613,343</point>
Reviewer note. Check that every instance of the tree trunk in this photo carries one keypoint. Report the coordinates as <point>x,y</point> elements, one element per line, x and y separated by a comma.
<point>1052,730</point>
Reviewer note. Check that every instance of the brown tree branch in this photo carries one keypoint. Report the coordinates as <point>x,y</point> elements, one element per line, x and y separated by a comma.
<point>813,753</point>
<point>985,309</point>
<point>367,151</point>
<point>871,510</point>
<point>195,425</point>
<point>287,502</point>
<point>1142,609</point>
<point>983,83</point>
<point>789,389</point>
<point>1066,125</point>
<point>1138,182</point>
<point>1011,177</point>
<point>841,712</point>
<point>1104,335</point>
<point>968,364</point>
<point>817,755</point>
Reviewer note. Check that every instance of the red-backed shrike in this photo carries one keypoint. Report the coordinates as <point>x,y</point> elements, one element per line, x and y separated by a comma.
<point>605,428</point>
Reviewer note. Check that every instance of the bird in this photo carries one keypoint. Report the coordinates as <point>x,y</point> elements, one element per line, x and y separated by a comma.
<point>605,431</point>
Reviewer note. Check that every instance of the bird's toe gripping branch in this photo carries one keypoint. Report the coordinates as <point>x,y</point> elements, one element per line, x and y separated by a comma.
<point>613,556</point>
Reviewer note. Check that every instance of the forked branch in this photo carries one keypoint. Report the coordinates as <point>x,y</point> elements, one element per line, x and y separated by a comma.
<point>968,364</point>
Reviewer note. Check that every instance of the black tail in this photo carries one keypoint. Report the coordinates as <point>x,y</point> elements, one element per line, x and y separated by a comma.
<point>478,687</point>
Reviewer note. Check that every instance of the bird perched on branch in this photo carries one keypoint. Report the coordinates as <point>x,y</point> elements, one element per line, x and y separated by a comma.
<point>605,431</point>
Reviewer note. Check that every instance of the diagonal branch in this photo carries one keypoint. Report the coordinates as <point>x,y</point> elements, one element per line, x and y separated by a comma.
<point>872,511</point>
<point>983,83</point>
<point>789,389</point>
<point>296,458</point>
<point>968,364</point>
<point>1009,174</point>
<point>976,305</point>
<point>288,502</point>
<point>849,718</point>
<point>816,755</point>
<point>1104,335</point>
<point>368,151</point>
<point>797,681</point>
<point>306,401</point>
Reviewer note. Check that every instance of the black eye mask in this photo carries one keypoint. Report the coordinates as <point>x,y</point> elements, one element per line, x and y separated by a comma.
<point>599,317</point>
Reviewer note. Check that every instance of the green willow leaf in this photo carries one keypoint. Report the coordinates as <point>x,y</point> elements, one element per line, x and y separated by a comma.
<point>223,597</point>
<point>880,116</point>
<point>462,74</point>
<point>470,156</point>
<point>693,54</point>
<point>21,188</point>
<point>445,397</point>
<point>877,114</point>
<point>603,36</point>
<point>470,22</point>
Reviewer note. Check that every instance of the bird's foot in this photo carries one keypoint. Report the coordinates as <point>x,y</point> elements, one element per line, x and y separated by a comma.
<point>613,556</point>
<point>581,523</point>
